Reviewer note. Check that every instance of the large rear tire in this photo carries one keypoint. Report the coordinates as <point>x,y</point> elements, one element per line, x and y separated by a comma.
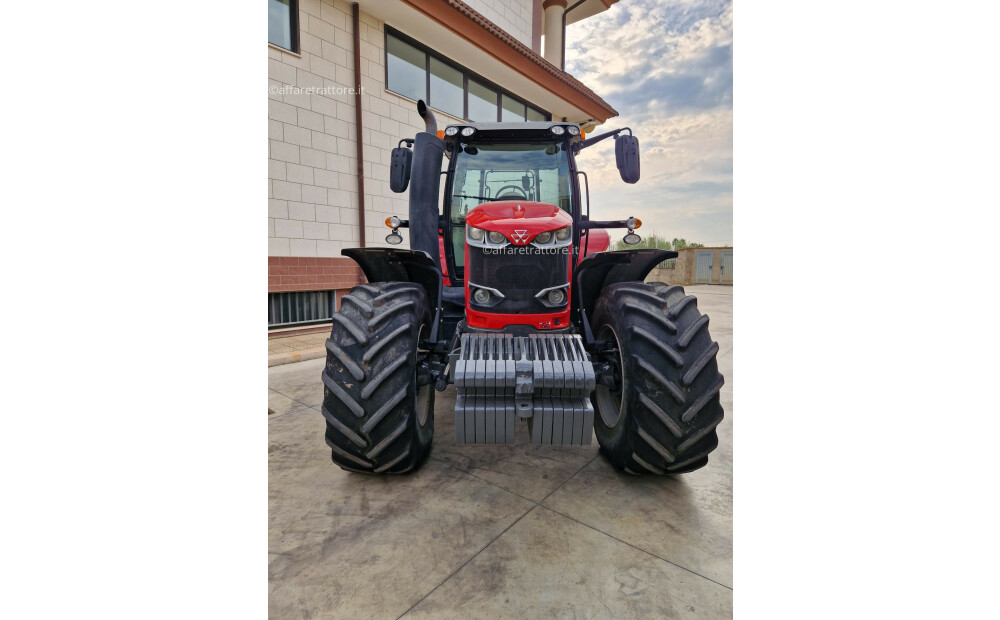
<point>377,418</point>
<point>662,415</point>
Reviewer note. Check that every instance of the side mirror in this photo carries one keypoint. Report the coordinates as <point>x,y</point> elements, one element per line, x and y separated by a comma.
<point>399,169</point>
<point>627,157</point>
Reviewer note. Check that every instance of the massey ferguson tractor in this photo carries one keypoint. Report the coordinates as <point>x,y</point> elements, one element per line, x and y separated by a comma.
<point>508,293</point>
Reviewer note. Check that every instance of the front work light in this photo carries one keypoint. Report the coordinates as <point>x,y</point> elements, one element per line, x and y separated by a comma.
<point>481,296</point>
<point>468,131</point>
<point>556,297</point>
<point>451,131</point>
<point>573,130</point>
<point>558,130</point>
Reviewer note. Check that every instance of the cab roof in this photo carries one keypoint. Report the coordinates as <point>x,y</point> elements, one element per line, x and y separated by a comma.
<point>511,130</point>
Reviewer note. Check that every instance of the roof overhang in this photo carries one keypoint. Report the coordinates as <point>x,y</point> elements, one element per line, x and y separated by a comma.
<point>588,8</point>
<point>453,29</point>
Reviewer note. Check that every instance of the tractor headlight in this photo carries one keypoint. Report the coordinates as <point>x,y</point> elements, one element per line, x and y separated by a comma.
<point>476,233</point>
<point>451,131</point>
<point>563,233</point>
<point>558,130</point>
<point>482,296</point>
<point>496,237</point>
<point>556,297</point>
<point>468,131</point>
<point>573,130</point>
<point>543,237</point>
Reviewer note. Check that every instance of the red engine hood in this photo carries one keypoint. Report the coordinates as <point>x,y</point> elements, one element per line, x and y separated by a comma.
<point>518,220</point>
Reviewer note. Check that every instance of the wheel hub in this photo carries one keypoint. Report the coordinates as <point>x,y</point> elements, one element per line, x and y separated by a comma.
<point>609,393</point>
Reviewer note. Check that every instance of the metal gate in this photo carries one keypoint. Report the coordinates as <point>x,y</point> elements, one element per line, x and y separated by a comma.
<point>726,268</point>
<point>703,268</point>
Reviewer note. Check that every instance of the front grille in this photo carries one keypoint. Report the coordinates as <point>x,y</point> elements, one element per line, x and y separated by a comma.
<point>518,272</point>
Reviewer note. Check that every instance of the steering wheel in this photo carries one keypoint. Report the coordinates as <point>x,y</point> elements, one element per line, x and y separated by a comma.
<point>513,187</point>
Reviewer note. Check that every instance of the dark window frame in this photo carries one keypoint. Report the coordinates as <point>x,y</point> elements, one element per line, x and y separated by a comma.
<point>293,25</point>
<point>466,75</point>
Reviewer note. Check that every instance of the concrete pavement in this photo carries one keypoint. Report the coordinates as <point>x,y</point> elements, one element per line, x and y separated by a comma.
<point>494,531</point>
<point>297,348</point>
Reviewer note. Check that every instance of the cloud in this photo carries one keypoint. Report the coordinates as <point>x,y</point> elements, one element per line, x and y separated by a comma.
<point>667,68</point>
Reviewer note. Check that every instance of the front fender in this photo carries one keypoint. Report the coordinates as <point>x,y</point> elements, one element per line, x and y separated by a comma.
<point>392,265</point>
<point>598,271</point>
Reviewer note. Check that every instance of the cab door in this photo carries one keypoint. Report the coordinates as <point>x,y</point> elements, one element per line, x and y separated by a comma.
<point>456,205</point>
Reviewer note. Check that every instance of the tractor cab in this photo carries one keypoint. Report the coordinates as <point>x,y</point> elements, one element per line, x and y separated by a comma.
<point>512,219</point>
<point>504,162</point>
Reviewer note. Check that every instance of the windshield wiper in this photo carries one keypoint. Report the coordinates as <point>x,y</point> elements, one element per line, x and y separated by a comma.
<point>476,197</point>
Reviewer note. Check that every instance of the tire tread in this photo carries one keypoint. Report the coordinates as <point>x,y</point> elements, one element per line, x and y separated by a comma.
<point>370,401</point>
<point>673,408</point>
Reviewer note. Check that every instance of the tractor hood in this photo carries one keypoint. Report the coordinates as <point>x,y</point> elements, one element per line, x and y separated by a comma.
<point>518,220</point>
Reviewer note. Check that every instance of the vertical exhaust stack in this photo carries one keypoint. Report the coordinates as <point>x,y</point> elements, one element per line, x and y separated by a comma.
<point>425,183</point>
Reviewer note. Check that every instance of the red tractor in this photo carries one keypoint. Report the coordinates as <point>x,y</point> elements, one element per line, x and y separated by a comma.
<point>508,292</point>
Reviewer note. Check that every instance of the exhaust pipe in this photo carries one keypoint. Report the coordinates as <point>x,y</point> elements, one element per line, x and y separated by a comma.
<point>425,183</point>
<point>428,115</point>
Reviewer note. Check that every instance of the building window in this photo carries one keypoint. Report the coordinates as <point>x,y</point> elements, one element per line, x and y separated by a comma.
<point>482,102</point>
<point>446,88</point>
<point>418,72</point>
<point>535,115</point>
<point>513,110</point>
<point>406,67</point>
<point>283,24</point>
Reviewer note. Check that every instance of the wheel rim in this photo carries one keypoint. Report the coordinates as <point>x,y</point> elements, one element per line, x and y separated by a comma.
<point>609,402</point>
<point>423,392</point>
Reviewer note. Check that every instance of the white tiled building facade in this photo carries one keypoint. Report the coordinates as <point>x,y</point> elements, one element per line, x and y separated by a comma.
<point>514,16</point>
<point>312,173</point>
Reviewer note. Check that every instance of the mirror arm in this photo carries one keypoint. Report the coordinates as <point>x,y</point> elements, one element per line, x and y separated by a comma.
<point>586,224</point>
<point>630,224</point>
<point>579,146</point>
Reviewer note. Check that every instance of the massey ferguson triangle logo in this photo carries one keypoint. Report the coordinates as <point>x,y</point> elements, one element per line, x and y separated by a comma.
<point>520,237</point>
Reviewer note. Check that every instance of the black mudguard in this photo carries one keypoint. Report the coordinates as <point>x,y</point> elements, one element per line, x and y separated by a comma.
<point>392,265</point>
<point>600,270</point>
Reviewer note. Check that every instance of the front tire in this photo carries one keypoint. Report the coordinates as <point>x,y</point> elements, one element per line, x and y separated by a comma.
<point>378,420</point>
<point>662,415</point>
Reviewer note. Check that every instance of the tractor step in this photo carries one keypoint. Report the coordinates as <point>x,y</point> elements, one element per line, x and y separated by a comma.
<point>546,379</point>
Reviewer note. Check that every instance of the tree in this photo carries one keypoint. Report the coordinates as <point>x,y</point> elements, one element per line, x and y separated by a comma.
<point>679,244</point>
<point>652,241</point>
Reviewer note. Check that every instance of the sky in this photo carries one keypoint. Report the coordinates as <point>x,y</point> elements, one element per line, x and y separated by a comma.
<point>667,67</point>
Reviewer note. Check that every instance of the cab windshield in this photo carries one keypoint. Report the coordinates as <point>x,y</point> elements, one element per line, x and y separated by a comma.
<point>517,171</point>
